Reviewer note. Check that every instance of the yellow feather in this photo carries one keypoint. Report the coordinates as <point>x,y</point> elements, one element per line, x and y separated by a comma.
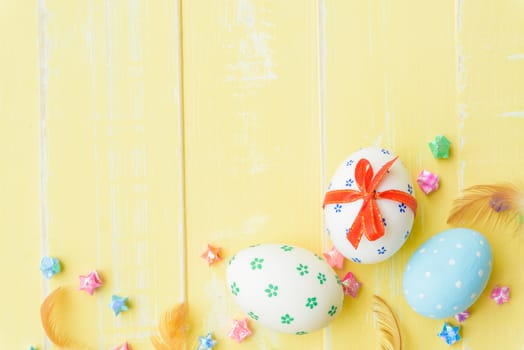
<point>495,205</point>
<point>172,328</point>
<point>47,314</point>
<point>388,325</point>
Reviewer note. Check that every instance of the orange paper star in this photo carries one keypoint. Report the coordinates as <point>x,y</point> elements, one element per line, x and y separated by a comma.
<point>334,258</point>
<point>212,254</point>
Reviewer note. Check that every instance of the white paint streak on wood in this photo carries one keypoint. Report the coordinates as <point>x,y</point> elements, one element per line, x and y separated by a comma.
<point>517,56</point>
<point>322,80</point>
<point>254,159</point>
<point>43,57</point>
<point>323,90</point>
<point>100,304</point>
<point>378,140</point>
<point>109,67</point>
<point>370,29</point>
<point>91,46</point>
<point>461,85</point>
<point>458,15</point>
<point>254,63</point>
<point>514,114</point>
<point>389,116</point>
<point>254,224</point>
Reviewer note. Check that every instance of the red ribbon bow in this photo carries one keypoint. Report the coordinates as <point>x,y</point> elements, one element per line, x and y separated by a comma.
<point>369,218</point>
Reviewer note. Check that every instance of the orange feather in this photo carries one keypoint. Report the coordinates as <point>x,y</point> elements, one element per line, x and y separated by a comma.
<point>501,204</point>
<point>47,314</point>
<point>388,325</point>
<point>172,328</point>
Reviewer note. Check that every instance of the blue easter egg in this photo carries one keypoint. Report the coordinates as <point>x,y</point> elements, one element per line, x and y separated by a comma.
<point>447,274</point>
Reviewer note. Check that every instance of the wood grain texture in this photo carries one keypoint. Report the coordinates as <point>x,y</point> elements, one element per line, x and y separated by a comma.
<point>135,132</point>
<point>252,136</point>
<point>20,218</point>
<point>391,82</point>
<point>115,195</point>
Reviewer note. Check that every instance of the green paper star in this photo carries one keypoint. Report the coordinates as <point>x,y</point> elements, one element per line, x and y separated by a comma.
<point>440,147</point>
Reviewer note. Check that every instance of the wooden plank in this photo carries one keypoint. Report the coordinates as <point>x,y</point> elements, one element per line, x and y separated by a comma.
<point>491,99</point>
<point>115,178</point>
<point>20,221</point>
<point>252,146</point>
<point>390,82</point>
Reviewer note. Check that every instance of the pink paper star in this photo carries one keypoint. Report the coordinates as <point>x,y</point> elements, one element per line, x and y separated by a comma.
<point>334,258</point>
<point>500,294</point>
<point>124,346</point>
<point>212,254</point>
<point>90,282</point>
<point>350,285</point>
<point>462,316</point>
<point>240,330</point>
<point>427,181</point>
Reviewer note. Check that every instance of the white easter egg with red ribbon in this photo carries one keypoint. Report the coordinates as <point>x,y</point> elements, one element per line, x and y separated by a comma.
<point>369,207</point>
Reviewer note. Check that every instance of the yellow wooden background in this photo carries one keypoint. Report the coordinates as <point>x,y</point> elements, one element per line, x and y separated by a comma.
<point>132,133</point>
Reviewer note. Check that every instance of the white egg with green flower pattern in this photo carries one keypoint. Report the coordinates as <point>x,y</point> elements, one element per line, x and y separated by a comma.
<point>285,288</point>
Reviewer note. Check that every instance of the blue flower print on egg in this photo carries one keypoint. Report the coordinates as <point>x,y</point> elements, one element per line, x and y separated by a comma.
<point>384,151</point>
<point>384,222</point>
<point>350,162</point>
<point>357,260</point>
<point>381,251</point>
<point>338,208</point>
<point>402,207</point>
<point>349,182</point>
<point>410,189</point>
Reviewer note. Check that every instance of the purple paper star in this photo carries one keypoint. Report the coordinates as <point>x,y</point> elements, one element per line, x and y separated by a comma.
<point>500,294</point>
<point>240,330</point>
<point>450,334</point>
<point>90,282</point>
<point>462,316</point>
<point>350,285</point>
<point>334,258</point>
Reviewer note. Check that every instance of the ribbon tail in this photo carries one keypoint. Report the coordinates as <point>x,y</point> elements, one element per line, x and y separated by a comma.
<point>399,196</point>
<point>374,226</point>
<point>380,174</point>
<point>341,196</point>
<point>356,231</point>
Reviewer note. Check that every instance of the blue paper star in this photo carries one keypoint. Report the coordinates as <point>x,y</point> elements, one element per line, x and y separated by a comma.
<point>206,343</point>
<point>49,266</point>
<point>450,334</point>
<point>118,304</point>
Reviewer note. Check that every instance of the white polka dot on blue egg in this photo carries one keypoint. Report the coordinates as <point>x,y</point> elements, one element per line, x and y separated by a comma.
<point>447,274</point>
